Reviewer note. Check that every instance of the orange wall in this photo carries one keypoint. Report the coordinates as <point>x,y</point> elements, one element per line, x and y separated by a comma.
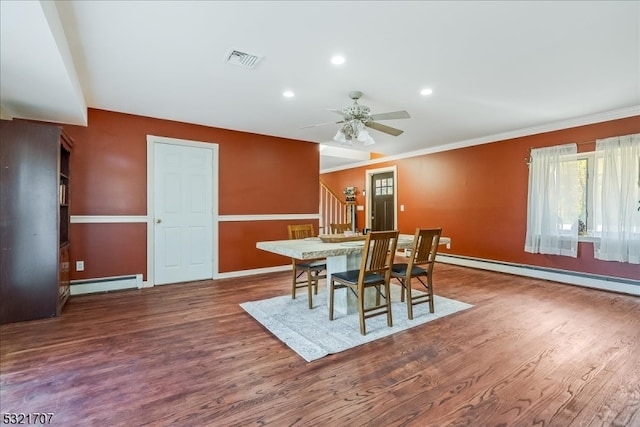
<point>479,196</point>
<point>257,175</point>
<point>243,253</point>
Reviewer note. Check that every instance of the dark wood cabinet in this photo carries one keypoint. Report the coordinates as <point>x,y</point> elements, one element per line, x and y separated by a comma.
<point>34,220</point>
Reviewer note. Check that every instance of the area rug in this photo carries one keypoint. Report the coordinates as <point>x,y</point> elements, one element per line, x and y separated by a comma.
<point>312,335</point>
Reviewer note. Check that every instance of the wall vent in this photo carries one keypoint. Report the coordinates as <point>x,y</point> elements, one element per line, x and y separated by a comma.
<point>242,59</point>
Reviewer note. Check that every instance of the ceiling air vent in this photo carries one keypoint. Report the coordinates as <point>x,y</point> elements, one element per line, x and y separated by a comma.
<point>242,59</point>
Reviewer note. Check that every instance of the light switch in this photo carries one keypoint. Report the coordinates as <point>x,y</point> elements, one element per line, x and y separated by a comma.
<point>401,208</point>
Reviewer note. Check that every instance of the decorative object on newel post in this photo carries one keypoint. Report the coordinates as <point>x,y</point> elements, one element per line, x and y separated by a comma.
<point>350,192</point>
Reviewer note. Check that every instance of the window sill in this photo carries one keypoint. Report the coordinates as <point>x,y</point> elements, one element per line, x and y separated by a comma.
<point>588,238</point>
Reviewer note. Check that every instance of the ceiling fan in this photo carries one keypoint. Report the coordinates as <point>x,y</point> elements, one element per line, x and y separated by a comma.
<point>356,118</point>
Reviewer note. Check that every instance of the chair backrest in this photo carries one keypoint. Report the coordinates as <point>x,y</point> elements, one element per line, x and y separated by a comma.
<point>425,248</point>
<point>301,231</point>
<point>340,228</point>
<point>379,251</point>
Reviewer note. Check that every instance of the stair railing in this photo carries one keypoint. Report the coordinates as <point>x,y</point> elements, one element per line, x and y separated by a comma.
<point>333,209</point>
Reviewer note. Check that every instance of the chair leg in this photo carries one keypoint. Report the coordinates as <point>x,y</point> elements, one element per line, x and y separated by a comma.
<point>387,292</point>
<point>402,289</point>
<point>409,300</point>
<point>363,329</point>
<point>430,287</point>
<point>331,300</point>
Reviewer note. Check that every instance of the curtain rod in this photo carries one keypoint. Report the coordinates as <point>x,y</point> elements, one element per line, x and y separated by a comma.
<point>527,159</point>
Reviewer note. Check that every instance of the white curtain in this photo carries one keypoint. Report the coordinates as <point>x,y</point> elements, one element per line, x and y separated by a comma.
<point>552,201</point>
<point>617,199</point>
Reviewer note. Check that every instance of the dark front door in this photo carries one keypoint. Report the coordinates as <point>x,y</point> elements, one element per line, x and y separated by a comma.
<point>382,201</point>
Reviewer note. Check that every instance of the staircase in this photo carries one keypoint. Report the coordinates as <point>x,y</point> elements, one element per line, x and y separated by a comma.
<point>334,210</point>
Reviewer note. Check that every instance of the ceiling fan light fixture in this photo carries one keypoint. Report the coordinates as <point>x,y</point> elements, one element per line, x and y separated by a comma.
<point>343,137</point>
<point>350,130</point>
<point>363,135</point>
<point>368,140</point>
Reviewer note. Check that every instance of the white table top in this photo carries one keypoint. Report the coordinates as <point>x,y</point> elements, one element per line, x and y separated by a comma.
<point>313,247</point>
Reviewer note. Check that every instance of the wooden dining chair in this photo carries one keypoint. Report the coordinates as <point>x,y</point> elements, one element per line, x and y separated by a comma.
<point>420,266</point>
<point>340,228</point>
<point>375,272</point>
<point>306,273</point>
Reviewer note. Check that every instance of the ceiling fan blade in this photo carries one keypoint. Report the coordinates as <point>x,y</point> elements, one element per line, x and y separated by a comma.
<point>335,111</point>
<point>391,116</point>
<point>384,128</point>
<point>322,124</point>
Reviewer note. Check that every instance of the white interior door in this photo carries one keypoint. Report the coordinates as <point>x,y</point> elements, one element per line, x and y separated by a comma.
<point>183,179</point>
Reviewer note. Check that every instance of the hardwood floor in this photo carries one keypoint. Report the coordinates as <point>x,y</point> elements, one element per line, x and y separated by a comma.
<point>529,353</point>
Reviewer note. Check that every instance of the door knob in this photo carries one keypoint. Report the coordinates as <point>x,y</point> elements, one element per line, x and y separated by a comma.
<point>158,221</point>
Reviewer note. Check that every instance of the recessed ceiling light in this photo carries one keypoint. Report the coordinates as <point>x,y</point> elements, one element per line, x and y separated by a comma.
<point>426,92</point>
<point>288,94</point>
<point>337,60</point>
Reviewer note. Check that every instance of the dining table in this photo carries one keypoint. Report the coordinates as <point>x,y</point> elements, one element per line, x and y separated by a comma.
<point>339,255</point>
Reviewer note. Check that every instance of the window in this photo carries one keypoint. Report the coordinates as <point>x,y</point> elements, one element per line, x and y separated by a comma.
<point>590,167</point>
<point>384,187</point>
<point>594,195</point>
<point>584,203</point>
<point>577,208</point>
<point>616,197</point>
<point>553,201</point>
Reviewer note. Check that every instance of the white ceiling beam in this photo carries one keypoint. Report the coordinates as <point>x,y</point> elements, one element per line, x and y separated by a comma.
<point>39,78</point>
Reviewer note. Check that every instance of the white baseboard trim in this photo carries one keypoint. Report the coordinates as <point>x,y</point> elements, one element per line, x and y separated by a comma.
<point>243,273</point>
<point>106,284</point>
<point>607,283</point>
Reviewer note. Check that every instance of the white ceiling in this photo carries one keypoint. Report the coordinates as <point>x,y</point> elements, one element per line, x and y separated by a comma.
<point>496,68</point>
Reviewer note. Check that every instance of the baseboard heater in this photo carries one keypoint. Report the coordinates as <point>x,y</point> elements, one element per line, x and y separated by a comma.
<point>589,280</point>
<point>106,284</point>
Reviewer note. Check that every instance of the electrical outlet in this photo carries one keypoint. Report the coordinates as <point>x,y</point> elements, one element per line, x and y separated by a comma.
<point>79,265</point>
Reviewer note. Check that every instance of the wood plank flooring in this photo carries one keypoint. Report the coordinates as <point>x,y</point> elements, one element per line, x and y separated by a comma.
<point>529,353</point>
